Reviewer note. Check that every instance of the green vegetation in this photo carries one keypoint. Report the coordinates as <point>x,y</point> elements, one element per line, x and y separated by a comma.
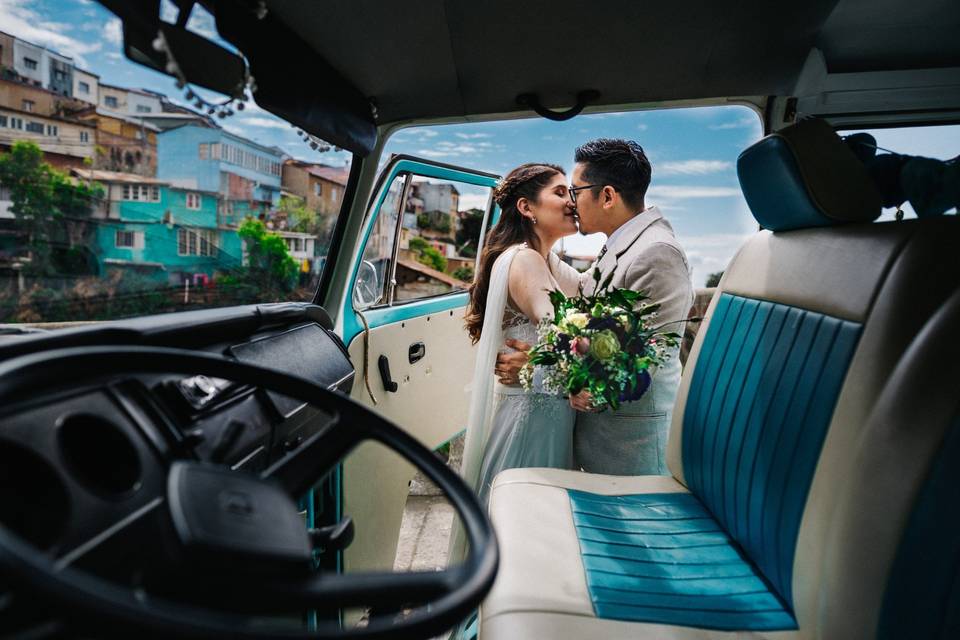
<point>471,222</point>
<point>428,255</point>
<point>714,279</point>
<point>52,212</point>
<point>270,272</point>
<point>464,273</point>
<point>435,220</point>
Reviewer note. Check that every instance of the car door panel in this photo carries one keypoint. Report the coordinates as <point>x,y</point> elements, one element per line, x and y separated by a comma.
<point>431,399</point>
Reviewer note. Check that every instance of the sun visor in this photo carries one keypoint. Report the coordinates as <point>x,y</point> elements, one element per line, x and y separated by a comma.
<point>295,83</point>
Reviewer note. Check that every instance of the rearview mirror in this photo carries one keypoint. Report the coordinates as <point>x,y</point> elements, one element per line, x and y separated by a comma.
<point>204,63</point>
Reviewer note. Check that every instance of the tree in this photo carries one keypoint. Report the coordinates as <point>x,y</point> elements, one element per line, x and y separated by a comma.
<point>464,273</point>
<point>427,255</point>
<point>299,217</point>
<point>468,233</point>
<point>714,279</point>
<point>269,269</point>
<point>52,211</point>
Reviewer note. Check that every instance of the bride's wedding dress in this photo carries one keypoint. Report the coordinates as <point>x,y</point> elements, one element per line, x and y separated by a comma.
<point>529,428</point>
<point>510,427</point>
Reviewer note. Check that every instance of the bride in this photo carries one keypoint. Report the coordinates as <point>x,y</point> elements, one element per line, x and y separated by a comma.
<point>509,427</point>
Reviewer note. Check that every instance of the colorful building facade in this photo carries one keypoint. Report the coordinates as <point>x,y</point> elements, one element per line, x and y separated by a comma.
<point>166,233</point>
<point>246,175</point>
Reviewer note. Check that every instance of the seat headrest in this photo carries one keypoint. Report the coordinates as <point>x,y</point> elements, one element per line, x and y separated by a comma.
<point>805,176</point>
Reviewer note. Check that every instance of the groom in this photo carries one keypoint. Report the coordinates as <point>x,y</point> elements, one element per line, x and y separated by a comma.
<point>608,187</point>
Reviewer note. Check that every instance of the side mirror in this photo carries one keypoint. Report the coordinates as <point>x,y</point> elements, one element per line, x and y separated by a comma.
<point>368,290</point>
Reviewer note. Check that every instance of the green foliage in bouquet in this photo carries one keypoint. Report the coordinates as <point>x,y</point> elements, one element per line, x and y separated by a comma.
<point>603,343</point>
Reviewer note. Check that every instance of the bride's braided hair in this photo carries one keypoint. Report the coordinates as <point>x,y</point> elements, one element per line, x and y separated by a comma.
<point>526,181</point>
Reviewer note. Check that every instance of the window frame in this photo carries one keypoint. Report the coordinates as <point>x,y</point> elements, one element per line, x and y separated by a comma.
<point>30,63</point>
<point>410,167</point>
<point>136,237</point>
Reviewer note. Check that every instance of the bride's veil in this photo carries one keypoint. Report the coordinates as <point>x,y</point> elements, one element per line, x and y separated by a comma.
<point>481,398</point>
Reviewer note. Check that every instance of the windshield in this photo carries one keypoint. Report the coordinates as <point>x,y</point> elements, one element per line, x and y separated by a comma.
<point>123,195</point>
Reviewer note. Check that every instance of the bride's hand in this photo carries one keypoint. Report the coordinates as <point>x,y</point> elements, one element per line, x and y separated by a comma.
<point>508,365</point>
<point>583,401</point>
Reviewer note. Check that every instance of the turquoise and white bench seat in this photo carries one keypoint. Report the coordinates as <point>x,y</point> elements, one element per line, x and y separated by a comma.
<point>805,520</point>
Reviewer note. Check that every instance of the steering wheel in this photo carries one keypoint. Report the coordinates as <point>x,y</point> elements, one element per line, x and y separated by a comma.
<point>195,490</point>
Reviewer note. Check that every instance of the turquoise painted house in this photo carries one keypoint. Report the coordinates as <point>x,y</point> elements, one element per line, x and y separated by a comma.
<point>165,233</point>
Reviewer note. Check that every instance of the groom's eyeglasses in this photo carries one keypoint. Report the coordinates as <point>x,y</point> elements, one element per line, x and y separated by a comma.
<point>573,191</point>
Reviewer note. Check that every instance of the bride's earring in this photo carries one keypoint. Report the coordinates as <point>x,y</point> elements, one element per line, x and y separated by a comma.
<point>534,219</point>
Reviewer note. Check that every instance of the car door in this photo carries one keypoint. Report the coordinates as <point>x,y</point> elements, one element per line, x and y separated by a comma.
<point>403,324</point>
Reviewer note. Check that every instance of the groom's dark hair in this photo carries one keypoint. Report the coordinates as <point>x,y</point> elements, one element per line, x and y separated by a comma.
<point>622,164</point>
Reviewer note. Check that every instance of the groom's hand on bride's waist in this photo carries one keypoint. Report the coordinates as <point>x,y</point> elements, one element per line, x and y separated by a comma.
<point>509,364</point>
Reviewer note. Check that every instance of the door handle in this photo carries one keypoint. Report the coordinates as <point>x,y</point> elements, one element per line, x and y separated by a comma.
<point>384,365</point>
<point>416,352</point>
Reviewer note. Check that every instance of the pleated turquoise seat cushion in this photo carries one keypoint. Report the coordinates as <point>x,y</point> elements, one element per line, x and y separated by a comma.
<point>760,402</point>
<point>663,558</point>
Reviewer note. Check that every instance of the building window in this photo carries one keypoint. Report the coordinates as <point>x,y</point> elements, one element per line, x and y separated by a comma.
<point>35,127</point>
<point>84,136</point>
<point>3,121</point>
<point>141,193</point>
<point>30,63</point>
<point>196,242</point>
<point>317,189</point>
<point>204,150</point>
<point>83,87</point>
<point>111,101</point>
<point>128,239</point>
<point>16,123</point>
<point>334,194</point>
<point>28,105</point>
<point>142,108</point>
<point>138,134</point>
<point>53,130</point>
<point>193,201</point>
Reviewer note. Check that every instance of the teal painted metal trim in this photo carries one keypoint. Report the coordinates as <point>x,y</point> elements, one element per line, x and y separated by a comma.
<point>452,438</point>
<point>405,311</point>
<point>382,316</point>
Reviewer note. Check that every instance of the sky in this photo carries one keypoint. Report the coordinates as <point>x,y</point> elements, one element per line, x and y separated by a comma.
<point>693,151</point>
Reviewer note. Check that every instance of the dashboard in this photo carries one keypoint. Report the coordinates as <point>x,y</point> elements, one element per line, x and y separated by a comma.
<point>83,464</point>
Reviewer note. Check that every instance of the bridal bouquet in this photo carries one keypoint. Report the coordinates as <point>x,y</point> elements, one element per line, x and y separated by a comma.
<point>603,343</point>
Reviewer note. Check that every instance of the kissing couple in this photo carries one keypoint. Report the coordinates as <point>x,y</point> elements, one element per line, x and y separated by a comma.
<point>512,426</point>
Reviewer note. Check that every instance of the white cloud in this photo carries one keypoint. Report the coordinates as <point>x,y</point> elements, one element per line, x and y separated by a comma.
<point>434,153</point>
<point>742,123</point>
<point>678,192</point>
<point>471,136</point>
<point>693,167</point>
<point>113,31</point>
<point>642,127</point>
<point>200,21</point>
<point>473,201</point>
<point>20,20</point>
<point>265,123</point>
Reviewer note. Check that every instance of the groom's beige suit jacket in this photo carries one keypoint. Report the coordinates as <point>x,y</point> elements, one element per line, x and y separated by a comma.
<point>644,255</point>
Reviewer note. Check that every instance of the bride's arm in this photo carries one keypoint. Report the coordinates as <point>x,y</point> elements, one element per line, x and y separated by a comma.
<point>528,285</point>
<point>567,277</point>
